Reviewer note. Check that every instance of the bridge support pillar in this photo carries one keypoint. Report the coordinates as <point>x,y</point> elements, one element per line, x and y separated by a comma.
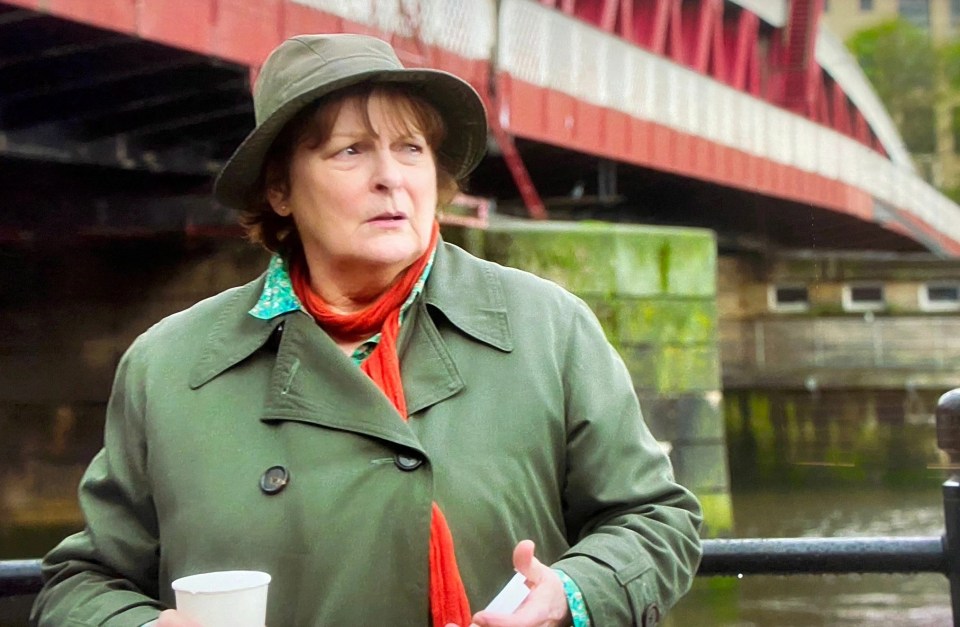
<point>654,291</point>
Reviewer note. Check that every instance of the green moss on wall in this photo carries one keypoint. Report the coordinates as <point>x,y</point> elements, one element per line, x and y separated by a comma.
<point>794,438</point>
<point>717,515</point>
<point>686,368</point>
<point>664,267</point>
<point>597,258</point>
<point>665,321</point>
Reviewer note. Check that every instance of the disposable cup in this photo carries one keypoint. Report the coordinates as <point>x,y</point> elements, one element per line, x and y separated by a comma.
<point>229,598</point>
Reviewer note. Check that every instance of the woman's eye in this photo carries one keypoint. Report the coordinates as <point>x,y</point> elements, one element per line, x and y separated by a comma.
<point>351,150</point>
<point>413,147</point>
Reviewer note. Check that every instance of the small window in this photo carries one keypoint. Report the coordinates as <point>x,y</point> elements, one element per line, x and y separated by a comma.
<point>940,296</point>
<point>917,12</point>
<point>866,5</point>
<point>788,298</point>
<point>863,297</point>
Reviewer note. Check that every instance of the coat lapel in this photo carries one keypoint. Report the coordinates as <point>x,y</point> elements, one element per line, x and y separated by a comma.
<point>314,382</point>
<point>464,292</point>
<point>235,335</point>
<point>428,371</point>
<point>468,293</point>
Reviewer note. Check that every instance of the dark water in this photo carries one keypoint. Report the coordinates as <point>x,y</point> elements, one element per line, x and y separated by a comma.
<point>846,600</point>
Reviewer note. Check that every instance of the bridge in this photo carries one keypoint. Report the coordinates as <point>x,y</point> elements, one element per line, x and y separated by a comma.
<point>744,116</point>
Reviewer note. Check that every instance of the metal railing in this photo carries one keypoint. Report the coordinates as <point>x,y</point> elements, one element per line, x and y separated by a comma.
<point>896,555</point>
<point>774,556</point>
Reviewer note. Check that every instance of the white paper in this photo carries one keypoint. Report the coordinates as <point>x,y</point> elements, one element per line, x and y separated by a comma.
<point>510,598</point>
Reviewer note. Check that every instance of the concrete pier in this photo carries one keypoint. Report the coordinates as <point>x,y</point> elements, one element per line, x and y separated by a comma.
<point>654,291</point>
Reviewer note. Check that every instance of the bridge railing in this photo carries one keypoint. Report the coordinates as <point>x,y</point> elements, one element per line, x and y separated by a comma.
<point>772,556</point>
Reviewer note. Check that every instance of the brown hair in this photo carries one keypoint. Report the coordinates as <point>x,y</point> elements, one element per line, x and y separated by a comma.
<point>313,126</point>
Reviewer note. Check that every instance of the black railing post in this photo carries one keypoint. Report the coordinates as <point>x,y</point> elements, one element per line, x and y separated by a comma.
<point>951,538</point>
<point>948,439</point>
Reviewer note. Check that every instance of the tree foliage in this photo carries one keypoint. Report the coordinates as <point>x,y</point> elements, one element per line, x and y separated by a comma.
<point>903,64</point>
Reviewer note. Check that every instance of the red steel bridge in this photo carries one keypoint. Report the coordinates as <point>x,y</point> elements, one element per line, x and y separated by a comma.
<point>744,116</point>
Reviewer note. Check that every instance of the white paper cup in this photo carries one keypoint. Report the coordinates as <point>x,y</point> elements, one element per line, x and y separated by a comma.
<point>230,598</point>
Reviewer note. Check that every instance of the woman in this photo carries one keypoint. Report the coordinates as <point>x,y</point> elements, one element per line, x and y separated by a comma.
<point>381,421</point>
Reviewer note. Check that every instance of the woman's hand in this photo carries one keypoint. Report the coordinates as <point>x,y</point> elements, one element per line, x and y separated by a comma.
<point>546,605</point>
<point>172,618</point>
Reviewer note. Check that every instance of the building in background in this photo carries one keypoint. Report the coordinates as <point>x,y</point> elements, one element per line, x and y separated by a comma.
<point>941,19</point>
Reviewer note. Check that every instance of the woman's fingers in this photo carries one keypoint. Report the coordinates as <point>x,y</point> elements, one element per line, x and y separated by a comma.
<point>546,606</point>
<point>524,561</point>
<point>172,618</point>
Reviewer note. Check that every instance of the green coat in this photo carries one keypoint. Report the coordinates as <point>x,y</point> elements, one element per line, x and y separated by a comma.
<point>522,414</point>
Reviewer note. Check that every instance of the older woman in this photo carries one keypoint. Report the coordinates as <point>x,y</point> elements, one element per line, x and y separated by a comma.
<point>381,421</point>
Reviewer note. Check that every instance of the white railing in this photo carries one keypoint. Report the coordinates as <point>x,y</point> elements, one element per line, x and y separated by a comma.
<point>465,27</point>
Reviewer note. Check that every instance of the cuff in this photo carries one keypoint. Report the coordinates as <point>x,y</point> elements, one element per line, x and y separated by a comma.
<point>578,609</point>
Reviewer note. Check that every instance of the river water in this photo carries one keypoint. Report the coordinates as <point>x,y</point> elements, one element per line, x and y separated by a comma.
<point>810,601</point>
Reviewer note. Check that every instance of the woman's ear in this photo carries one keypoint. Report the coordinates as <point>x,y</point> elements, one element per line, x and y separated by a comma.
<point>278,201</point>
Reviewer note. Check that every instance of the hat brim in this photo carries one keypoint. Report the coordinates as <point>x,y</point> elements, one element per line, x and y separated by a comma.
<point>455,100</point>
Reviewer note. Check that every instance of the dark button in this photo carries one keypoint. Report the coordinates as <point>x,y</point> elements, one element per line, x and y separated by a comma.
<point>651,615</point>
<point>407,462</point>
<point>274,479</point>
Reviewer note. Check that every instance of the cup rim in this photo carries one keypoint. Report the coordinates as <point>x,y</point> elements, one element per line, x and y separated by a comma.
<point>257,579</point>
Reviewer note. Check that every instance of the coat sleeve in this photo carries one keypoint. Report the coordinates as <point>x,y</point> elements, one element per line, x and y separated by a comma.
<point>634,531</point>
<point>107,573</point>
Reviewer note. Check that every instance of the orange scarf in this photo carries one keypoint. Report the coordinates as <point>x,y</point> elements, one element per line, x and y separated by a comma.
<point>448,598</point>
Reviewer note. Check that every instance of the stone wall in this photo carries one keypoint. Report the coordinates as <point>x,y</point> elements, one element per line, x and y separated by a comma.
<point>808,439</point>
<point>68,311</point>
<point>654,291</point>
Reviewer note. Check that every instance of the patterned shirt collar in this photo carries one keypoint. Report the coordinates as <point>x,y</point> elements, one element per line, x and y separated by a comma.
<point>278,298</point>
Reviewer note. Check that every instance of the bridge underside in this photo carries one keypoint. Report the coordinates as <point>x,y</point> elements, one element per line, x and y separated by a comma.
<point>106,134</point>
<point>742,220</point>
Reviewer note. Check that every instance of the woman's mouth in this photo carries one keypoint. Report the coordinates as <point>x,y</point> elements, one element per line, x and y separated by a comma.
<point>388,218</point>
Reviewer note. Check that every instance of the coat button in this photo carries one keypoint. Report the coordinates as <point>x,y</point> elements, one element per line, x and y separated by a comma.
<point>651,616</point>
<point>407,462</point>
<point>274,479</point>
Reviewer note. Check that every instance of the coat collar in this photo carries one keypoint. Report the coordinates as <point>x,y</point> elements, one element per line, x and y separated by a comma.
<point>469,293</point>
<point>235,334</point>
<point>465,290</point>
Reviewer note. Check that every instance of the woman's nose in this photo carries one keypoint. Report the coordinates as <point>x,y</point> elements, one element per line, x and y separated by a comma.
<point>387,174</point>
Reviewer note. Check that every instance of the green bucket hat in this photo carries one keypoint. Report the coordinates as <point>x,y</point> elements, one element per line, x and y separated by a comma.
<point>307,67</point>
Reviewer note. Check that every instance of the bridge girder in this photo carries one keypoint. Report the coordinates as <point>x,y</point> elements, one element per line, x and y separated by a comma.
<point>166,88</point>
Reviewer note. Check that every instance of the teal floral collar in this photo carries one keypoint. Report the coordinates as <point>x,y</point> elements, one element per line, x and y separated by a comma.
<point>278,298</point>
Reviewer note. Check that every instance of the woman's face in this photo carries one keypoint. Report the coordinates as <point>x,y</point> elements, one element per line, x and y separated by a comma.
<point>362,200</point>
